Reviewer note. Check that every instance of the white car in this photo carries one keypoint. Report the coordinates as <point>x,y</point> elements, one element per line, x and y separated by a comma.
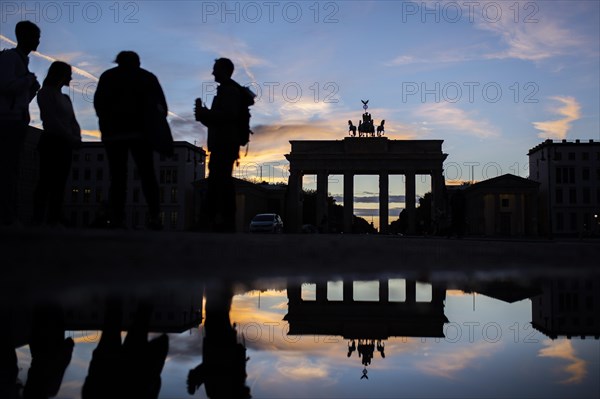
<point>266,223</point>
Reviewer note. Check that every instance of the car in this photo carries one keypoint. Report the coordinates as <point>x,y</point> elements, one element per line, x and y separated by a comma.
<point>266,223</point>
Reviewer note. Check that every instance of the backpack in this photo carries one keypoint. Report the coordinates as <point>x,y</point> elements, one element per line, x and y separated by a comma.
<point>244,131</point>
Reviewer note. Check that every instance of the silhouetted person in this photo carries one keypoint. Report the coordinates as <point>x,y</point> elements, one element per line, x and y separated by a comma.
<point>223,367</point>
<point>222,121</point>
<point>61,135</point>
<point>351,348</point>
<point>18,87</point>
<point>130,369</point>
<point>50,352</point>
<point>121,103</point>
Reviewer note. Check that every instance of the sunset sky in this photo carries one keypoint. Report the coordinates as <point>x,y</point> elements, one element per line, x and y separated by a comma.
<point>490,78</point>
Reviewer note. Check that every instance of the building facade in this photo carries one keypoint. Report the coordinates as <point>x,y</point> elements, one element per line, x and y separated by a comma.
<point>86,197</point>
<point>506,205</point>
<point>569,177</point>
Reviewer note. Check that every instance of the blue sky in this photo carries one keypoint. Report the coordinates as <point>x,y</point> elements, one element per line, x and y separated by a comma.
<point>490,78</point>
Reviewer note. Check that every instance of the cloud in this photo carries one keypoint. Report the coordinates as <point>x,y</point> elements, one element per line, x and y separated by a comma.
<point>532,41</point>
<point>235,49</point>
<point>90,135</point>
<point>302,369</point>
<point>536,36</point>
<point>558,129</point>
<point>449,364</point>
<point>449,116</point>
<point>576,369</point>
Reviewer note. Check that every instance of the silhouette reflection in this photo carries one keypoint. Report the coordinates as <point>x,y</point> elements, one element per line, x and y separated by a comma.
<point>223,367</point>
<point>50,355</point>
<point>134,366</point>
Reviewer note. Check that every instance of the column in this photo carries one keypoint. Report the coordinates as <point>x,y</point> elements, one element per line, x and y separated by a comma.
<point>348,291</point>
<point>411,291</point>
<point>322,217</point>
<point>294,203</point>
<point>348,201</point>
<point>410,201</point>
<point>384,291</point>
<point>438,207</point>
<point>384,199</point>
<point>321,291</point>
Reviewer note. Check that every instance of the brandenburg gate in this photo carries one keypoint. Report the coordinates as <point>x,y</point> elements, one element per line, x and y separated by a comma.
<point>368,154</point>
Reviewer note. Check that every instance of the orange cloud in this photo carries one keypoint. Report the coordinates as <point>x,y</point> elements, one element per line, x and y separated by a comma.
<point>576,369</point>
<point>558,129</point>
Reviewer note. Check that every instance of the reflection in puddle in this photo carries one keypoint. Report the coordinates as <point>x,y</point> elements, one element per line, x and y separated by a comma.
<point>343,338</point>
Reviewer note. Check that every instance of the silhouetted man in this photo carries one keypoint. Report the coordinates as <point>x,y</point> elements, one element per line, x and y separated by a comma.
<point>223,367</point>
<point>18,87</point>
<point>131,369</point>
<point>223,123</point>
<point>121,102</point>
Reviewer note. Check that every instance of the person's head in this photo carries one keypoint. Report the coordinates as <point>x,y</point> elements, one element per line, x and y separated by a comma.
<point>59,74</point>
<point>28,36</point>
<point>222,70</point>
<point>128,59</point>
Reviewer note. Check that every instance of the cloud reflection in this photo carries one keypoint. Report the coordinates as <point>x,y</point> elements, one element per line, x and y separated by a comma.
<point>576,369</point>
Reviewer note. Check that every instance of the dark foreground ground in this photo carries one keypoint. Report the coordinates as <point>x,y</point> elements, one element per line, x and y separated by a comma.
<point>42,260</point>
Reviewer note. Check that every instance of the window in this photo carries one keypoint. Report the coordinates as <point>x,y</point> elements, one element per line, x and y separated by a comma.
<point>586,195</point>
<point>585,174</point>
<point>585,156</point>
<point>557,156</point>
<point>99,174</point>
<point>571,156</point>
<point>573,221</point>
<point>87,193</point>
<point>74,194</point>
<point>559,196</point>
<point>174,195</point>
<point>87,174</point>
<point>505,202</point>
<point>174,219</point>
<point>98,195</point>
<point>87,157</point>
<point>560,225</point>
<point>571,175</point>
<point>572,196</point>
<point>75,174</point>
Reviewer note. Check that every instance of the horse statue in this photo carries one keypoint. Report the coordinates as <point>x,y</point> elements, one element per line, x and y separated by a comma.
<point>351,129</point>
<point>380,129</point>
<point>366,126</point>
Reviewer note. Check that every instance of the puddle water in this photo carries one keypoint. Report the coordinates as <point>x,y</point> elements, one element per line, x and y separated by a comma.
<point>400,336</point>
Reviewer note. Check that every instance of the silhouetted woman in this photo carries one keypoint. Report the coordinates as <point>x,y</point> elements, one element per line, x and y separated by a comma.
<point>61,135</point>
